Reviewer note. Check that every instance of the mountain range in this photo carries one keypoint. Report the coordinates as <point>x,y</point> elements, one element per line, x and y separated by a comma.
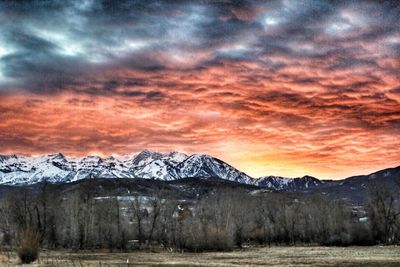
<point>57,168</point>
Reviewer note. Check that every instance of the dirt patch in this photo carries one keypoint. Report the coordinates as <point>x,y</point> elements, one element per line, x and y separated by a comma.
<point>257,256</point>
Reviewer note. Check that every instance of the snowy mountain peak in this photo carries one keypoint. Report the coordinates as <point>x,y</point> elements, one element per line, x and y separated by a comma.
<point>282,183</point>
<point>57,168</point>
<point>56,156</point>
<point>177,156</point>
<point>201,165</point>
<point>145,157</point>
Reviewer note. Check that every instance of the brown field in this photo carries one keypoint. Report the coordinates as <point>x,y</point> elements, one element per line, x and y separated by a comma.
<point>273,256</point>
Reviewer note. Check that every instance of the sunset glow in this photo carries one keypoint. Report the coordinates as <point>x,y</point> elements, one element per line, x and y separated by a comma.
<point>272,87</point>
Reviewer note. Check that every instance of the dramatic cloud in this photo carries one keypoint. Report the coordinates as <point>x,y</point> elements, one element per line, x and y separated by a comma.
<point>272,87</point>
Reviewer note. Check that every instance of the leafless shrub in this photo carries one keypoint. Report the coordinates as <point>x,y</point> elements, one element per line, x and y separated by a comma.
<point>28,249</point>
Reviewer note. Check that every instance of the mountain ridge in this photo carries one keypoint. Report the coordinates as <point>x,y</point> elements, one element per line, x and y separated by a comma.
<point>57,168</point>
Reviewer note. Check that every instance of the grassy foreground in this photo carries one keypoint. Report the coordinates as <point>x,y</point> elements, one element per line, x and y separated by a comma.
<point>273,256</point>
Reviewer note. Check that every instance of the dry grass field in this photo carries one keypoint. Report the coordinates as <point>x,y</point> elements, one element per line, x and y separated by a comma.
<point>274,256</point>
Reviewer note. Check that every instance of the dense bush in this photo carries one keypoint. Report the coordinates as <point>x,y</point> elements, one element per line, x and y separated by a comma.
<point>213,239</point>
<point>28,249</point>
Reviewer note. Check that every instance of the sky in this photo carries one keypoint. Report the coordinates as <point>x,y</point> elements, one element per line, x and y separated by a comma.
<point>271,87</point>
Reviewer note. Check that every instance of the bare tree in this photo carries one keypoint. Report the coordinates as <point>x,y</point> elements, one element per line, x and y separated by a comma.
<point>383,212</point>
<point>139,214</point>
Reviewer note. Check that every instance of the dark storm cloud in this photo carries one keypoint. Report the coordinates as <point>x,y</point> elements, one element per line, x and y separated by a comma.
<point>395,90</point>
<point>51,43</point>
<point>25,42</point>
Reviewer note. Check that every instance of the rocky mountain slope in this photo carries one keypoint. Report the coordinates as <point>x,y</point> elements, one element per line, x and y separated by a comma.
<point>56,168</point>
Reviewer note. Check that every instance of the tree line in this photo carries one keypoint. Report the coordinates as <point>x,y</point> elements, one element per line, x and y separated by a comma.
<point>221,219</point>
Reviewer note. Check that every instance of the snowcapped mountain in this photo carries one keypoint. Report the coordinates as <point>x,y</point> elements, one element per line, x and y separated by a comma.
<point>150,165</point>
<point>56,168</point>
<point>20,170</point>
<point>281,183</point>
<point>207,166</point>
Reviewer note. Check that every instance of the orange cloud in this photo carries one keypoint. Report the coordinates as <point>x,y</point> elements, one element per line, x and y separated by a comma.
<point>273,88</point>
